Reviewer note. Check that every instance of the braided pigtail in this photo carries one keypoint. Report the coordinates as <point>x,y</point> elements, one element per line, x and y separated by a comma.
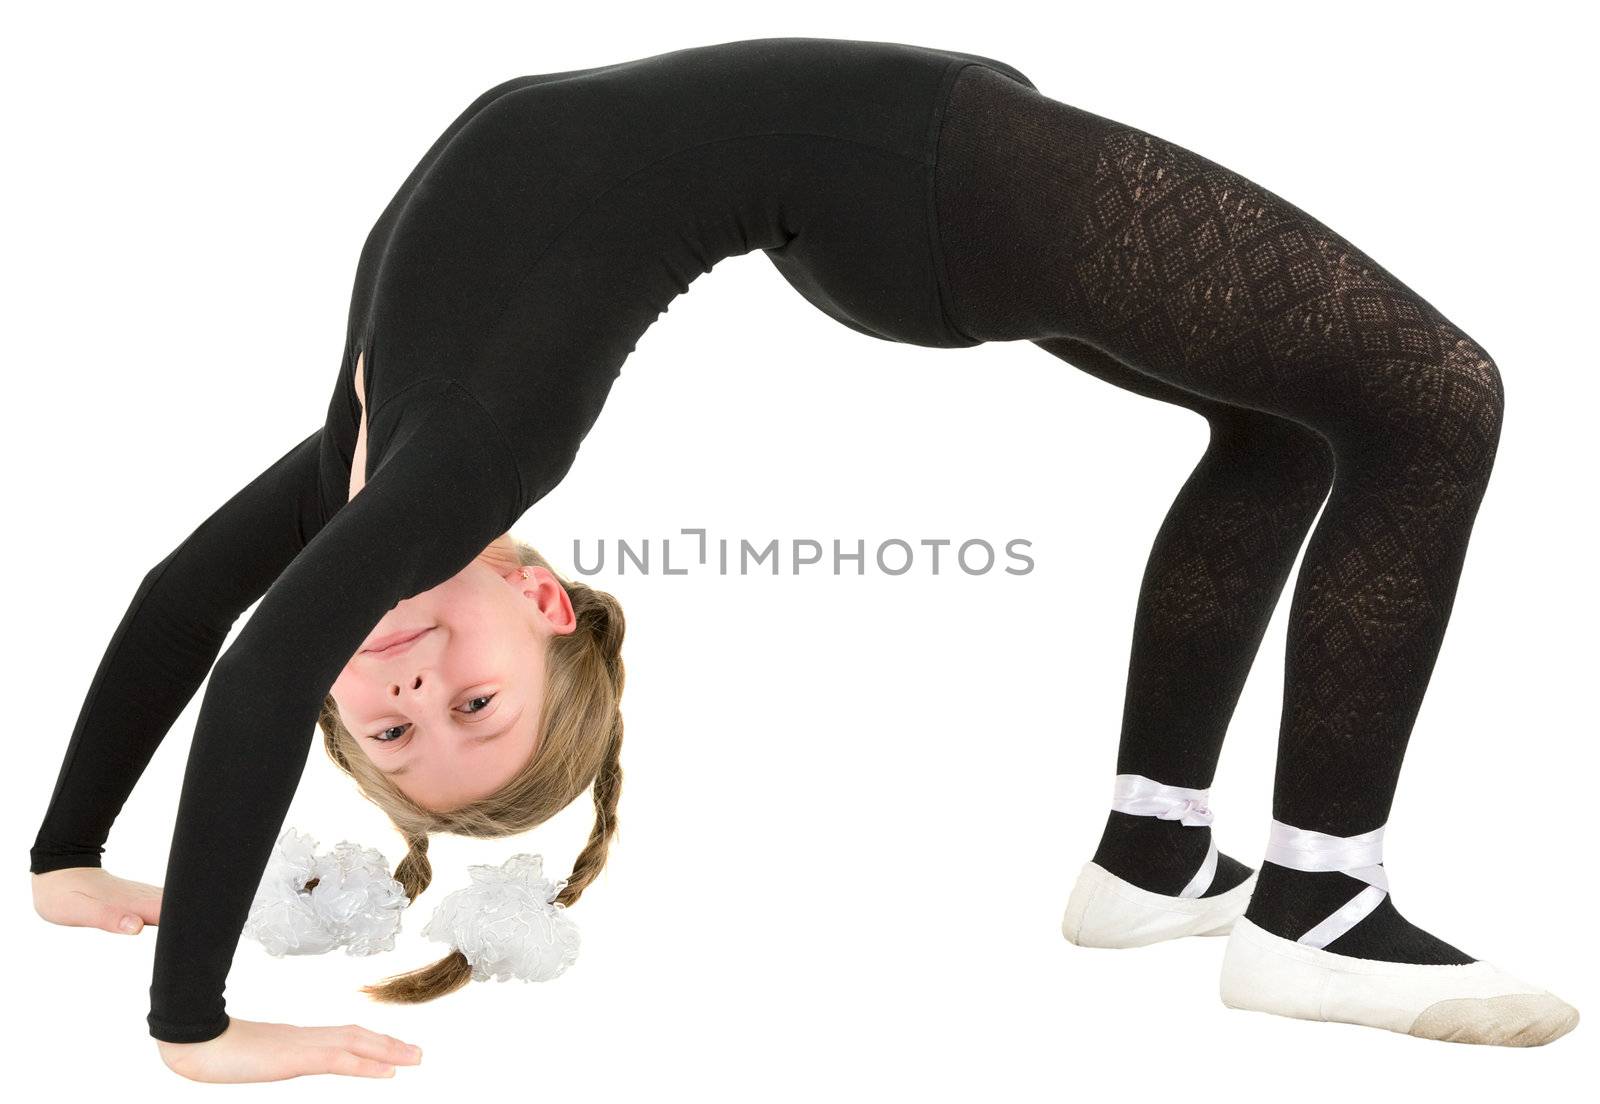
<point>607,789</point>
<point>415,872</point>
<point>608,632</point>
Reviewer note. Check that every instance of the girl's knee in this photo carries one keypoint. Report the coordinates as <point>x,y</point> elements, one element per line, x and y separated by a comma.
<point>1448,404</point>
<point>1470,369</point>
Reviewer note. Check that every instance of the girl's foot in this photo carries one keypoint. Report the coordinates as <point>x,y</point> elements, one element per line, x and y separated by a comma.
<point>1107,911</point>
<point>1289,903</point>
<point>1323,941</point>
<point>1472,1002</point>
<point>1157,874</point>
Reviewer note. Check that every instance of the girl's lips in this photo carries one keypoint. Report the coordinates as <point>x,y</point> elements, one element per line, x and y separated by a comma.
<point>394,642</point>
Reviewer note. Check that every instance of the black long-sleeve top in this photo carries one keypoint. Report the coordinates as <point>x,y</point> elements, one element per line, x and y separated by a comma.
<point>495,301</point>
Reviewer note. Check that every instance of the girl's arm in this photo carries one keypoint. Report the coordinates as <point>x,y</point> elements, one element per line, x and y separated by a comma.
<point>445,486</point>
<point>182,611</point>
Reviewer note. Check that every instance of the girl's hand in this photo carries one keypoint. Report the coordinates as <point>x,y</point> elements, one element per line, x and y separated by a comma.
<point>89,897</point>
<point>249,1051</point>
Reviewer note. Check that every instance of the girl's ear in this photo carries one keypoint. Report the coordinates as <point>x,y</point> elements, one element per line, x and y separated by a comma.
<point>540,586</point>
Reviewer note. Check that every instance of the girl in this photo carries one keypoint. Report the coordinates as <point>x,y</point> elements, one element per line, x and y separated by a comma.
<point>917,195</point>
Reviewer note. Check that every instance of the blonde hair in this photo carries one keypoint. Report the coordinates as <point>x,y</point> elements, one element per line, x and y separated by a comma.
<point>581,738</point>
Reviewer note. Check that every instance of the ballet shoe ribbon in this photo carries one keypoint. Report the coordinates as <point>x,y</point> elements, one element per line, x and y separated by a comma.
<point>1137,795</point>
<point>1359,857</point>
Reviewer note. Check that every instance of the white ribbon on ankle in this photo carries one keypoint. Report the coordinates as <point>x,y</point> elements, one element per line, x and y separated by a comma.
<point>1137,795</point>
<point>1359,857</point>
<point>1140,796</point>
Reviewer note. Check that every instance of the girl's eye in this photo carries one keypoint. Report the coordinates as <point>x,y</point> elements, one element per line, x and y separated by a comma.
<point>394,732</point>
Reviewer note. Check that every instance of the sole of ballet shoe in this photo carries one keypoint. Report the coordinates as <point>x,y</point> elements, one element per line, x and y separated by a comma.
<point>1471,1003</point>
<point>1107,911</point>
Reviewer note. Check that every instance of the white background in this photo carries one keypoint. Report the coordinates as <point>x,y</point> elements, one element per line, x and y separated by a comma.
<point>853,806</point>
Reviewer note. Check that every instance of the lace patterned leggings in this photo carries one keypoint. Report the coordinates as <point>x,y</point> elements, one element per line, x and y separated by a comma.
<point>1323,379</point>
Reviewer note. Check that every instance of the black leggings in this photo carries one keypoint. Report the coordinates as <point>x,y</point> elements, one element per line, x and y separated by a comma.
<point>1162,272</point>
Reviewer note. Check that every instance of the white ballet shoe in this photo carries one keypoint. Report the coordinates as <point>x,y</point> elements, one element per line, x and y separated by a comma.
<point>1106,911</point>
<point>1471,1003</point>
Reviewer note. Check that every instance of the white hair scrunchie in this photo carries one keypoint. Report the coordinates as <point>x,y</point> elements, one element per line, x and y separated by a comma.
<point>355,903</point>
<point>508,923</point>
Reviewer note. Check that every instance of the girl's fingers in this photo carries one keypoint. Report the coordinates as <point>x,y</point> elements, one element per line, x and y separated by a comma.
<point>147,908</point>
<point>354,1065</point>
<point>369,1044</point>
<point>343,1036</point>
<point>140,899</point>
<point>114,918</point>
<point>385,1048</point>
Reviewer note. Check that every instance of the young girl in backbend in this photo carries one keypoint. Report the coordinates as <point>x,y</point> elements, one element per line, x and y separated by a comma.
<point>917,195</point>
